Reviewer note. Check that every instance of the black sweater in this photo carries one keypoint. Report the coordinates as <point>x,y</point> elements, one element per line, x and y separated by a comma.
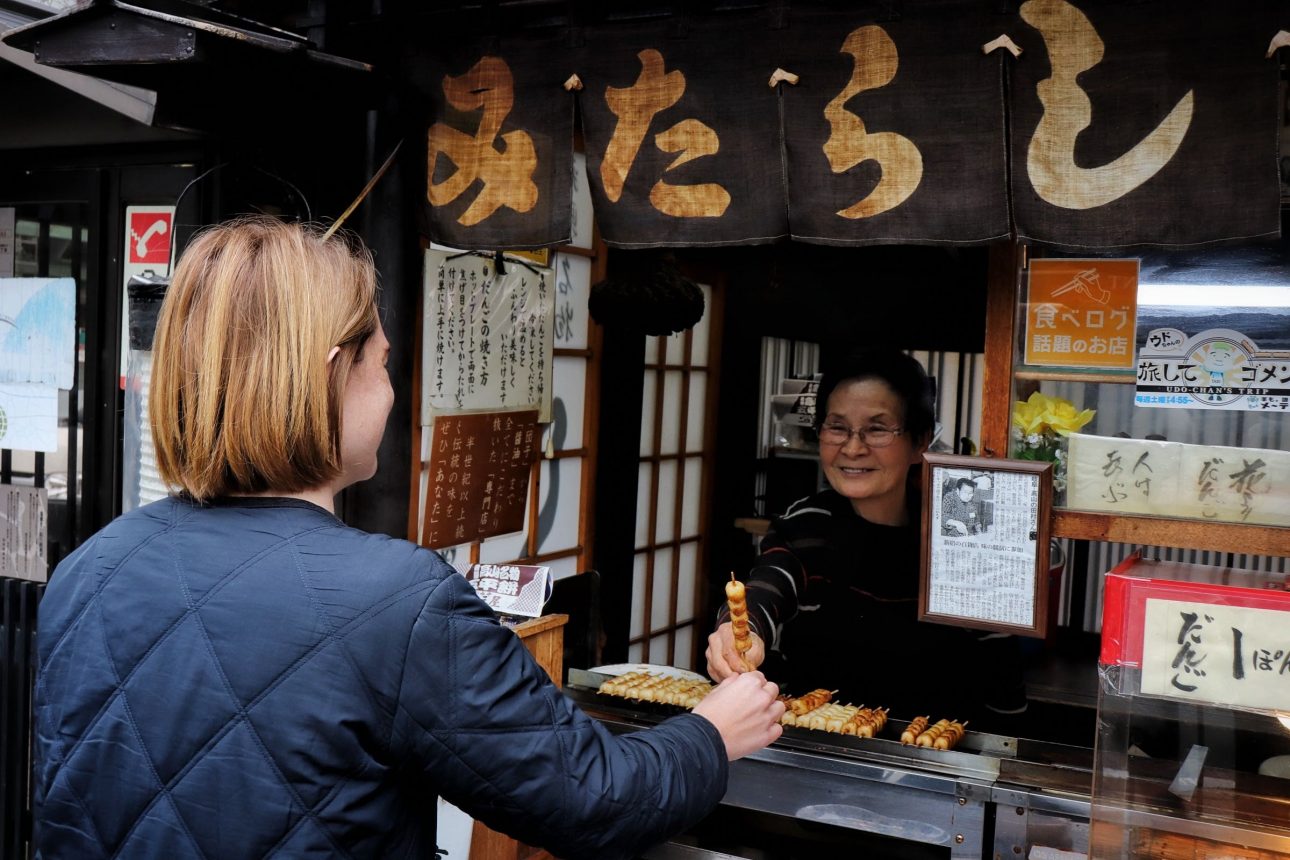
<point>835,598</point>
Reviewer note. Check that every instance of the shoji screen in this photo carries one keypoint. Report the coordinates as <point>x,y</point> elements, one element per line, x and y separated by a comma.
<point>672,491</point>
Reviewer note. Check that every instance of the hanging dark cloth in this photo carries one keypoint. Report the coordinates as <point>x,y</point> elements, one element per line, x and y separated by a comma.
<point>681,128</point>
<point>1144,123</point>
<point>895,133</point>
<point>499,140</point>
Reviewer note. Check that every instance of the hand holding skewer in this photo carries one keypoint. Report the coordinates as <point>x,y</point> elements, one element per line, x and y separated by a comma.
<point>738,605</point>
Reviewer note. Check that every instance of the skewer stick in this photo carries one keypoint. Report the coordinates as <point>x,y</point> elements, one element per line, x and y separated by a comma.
<point>738,606</point>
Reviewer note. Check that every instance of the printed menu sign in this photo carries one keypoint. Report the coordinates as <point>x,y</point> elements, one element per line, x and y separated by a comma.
<point>478,476</point>
<point>1237,656</point>
<point>24,517</point>
<point>512,589</point>
<point>1081,313</point>
<point>985,548</point>
<point>489,335</point>
<point>1214,369</point>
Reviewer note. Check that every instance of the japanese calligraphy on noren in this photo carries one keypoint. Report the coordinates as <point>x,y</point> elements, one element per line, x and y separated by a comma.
<point>1074,47</point>
<point>1081,313</point>
<point>1118,127</point>
<point>487,338</point>
<point>867,161</point>
<point>1212,652</point>
<point>502,161</point>
<point>478,476</point>
<point>636,106</point>
<point>1116,113</point>
<point>985,550</point>
<point>876,61</point>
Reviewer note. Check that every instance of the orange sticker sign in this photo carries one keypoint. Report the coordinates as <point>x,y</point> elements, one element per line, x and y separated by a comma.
<point>1082,313</point>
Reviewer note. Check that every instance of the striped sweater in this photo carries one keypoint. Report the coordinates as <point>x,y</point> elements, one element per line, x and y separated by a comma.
<point>835,598</point>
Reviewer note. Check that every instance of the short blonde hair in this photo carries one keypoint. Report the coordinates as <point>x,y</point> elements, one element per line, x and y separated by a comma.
<point>243,399</point>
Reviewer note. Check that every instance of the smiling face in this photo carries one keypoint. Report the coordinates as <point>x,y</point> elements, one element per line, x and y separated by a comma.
<point>966,491</point>
<point>872,478</point>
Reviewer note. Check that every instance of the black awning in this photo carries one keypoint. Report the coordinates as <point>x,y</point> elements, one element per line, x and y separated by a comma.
<point>203,63</point>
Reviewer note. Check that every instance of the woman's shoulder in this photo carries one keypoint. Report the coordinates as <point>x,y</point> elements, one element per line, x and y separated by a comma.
<point>810,516</point>
<point>824,504</point>
<point>385,554</point>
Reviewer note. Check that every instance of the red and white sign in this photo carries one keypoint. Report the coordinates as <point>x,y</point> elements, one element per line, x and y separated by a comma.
<point>1202,637</point>
<point>149,239</point>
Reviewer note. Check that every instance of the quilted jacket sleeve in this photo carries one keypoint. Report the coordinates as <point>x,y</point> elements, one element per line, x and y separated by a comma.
<point>489,732</point>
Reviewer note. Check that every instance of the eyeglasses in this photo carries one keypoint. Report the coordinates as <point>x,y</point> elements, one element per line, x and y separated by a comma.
<point>874,437</point>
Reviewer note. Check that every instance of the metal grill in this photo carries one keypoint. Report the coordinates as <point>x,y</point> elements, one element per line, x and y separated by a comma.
<point>18,601</point>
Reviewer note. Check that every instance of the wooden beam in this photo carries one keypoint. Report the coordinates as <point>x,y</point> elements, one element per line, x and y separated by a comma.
<point>1000,344</point>
<point>1237,538</point>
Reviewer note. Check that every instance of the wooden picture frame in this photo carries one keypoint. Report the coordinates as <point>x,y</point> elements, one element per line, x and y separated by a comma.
<point>985,552</point>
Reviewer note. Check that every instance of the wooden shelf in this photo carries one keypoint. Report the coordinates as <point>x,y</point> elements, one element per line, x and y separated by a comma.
<point>1159,531</point>
<point>1107,377</point>
<point>1005,276</point>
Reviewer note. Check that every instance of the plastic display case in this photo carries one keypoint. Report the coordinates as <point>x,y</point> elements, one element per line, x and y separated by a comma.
<point>1192,756</point>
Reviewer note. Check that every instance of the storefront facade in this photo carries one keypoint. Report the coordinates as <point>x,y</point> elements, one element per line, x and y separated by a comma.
<point>885,188</point>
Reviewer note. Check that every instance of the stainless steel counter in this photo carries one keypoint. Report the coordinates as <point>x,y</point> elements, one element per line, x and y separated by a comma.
<point>993,796</point>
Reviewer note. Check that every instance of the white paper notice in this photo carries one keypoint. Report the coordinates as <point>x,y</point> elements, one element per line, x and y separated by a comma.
<point>37,330</point>
<point>1224,655</point>
<point>24,517</point>
<point>1239,485</point>
<point>29,417</point>
<point>7,248</point>
<point>1130,476</point>
<point>488,338</point>
<point>984,546</point>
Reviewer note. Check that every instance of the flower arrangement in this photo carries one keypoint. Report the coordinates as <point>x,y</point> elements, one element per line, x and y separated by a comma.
<point>1040,425</point>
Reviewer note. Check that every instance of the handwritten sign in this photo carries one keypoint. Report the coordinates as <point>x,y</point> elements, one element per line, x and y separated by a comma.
<point>1130,476</point>
<point>1215,369</point>
<point>1171,479</point>
<point>479,476</point>
<point>512,589</point>
<point>1208,652</point>
<point>488,335</point>
<point>1082,313</point>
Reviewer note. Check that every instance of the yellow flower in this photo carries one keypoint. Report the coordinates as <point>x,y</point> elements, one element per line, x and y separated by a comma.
<point>1041,413</point>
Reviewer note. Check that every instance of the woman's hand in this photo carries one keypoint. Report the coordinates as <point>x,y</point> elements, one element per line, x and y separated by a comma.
<point>745,709</point>
<point>724,659</point>
<point>957,526</point>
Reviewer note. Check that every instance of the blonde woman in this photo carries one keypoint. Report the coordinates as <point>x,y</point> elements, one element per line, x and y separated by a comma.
<point>232,672</point>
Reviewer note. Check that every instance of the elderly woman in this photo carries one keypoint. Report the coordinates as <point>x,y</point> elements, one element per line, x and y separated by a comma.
<point>834,591</point>
<point>233,672</point>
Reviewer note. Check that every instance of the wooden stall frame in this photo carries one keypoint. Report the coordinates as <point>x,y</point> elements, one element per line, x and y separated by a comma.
<point>1007,268</point>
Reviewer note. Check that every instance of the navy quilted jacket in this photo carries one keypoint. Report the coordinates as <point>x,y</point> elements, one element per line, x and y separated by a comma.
<point>255,679</point>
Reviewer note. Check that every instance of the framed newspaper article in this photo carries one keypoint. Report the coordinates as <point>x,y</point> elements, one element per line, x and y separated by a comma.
<point>985,543</point>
